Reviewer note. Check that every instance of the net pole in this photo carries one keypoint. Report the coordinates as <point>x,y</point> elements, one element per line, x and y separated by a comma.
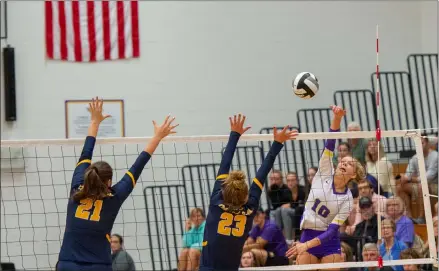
<point>378,138</point>
<point>426,196</point>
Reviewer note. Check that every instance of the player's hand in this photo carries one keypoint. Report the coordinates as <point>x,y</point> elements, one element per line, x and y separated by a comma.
<point>166,128</point>
<point>95,109</point>
<point>296,249</point>
<point>338,111</point>
<point>285,134</point>
<point>237,124</point>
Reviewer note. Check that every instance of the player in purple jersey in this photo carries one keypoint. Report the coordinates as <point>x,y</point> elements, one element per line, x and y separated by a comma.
<point>94,204</point>
<point>328,205</point>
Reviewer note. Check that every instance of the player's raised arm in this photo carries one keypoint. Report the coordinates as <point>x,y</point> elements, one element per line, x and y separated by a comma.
<point>237,129</point>
<point>125,186</point>
<point>95,109</point>
<point>259,181</point>
<point>325,164</point>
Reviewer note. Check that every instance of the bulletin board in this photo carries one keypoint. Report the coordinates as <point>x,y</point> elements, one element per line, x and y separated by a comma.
<point>78,119</point>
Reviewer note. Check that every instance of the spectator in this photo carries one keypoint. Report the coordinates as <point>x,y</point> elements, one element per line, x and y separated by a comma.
<point>358,145</point>
<point>266,241</point>
<point>346,253</point>
<point>375,164</point>
<point>391,247</point>
<point>189,258</point>
<point>370,254</point>
<point>279,194</point>
<point>409,186</point>
<point>365,190</point>
<point>248,259</point>
<point>343,150</point>
<point>426,250</point>
<point>122,261</point>
<point>405,230</point>
<point>435,211</point>
<point>367,230</point>
<point>433,142</point>
<point>311,173</point>
<point>292,212</point>
<point>409,254</point>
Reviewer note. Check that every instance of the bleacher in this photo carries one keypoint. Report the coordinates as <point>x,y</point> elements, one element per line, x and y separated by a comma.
<point>402,95</point>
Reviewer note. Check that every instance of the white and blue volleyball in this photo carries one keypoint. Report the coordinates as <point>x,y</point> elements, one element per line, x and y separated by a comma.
<point>305,85</point>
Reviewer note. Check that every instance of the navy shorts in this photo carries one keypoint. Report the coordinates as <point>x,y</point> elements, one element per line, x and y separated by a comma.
<point>330,247</point>
<point>72,266</point>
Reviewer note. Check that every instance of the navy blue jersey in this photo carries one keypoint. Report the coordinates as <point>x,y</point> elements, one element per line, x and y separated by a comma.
<point>226,231</point>
<point>89,223</point>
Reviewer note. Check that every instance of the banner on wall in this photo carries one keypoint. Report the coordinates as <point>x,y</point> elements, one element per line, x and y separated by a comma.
<point>78,119</point>
<point>90,31</point>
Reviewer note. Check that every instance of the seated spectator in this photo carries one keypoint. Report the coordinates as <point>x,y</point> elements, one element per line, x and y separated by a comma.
<point>435,211</point>
<point>122,261</point>
<point>370,253</point>
<point>409,186</point>
<point>346,253</point>
<point>248,259</point>
<point>391,247</point>
<point>365,190</point>
<point>189,258</point>
<point>367,230</point>
<point>426,249</point>
<point>358,145</point>
<point>409,254</point>
<point>433,142</point>
<point>311,173</point>
<point>292,212</point>
<point>266,241</point>
<point>374,182</point>
<point>279,194</point>
<point>343,150</point>
<point>405,229</point>
<point>381,164</point>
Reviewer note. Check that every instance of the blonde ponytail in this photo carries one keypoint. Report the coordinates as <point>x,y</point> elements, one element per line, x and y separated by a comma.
<point>235,189</point>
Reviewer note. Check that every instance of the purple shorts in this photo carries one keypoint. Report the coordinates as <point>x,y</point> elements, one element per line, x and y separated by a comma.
<point>330,247</point>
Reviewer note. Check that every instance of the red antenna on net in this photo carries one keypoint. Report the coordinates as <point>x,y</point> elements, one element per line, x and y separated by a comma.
<point>378,132</point>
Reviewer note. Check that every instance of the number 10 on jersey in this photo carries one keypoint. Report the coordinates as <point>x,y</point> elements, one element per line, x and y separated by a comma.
<point>320,209</point>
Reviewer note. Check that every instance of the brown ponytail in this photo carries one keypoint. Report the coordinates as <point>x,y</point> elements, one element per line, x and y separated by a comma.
<point>235,189</point>
<point>95,182</point>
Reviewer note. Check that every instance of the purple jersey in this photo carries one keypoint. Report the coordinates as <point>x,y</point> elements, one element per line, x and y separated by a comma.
<point>273,235</point>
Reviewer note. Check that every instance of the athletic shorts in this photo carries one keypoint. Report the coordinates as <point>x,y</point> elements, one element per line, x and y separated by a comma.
<point>72,266</point>
<point>330,247</point>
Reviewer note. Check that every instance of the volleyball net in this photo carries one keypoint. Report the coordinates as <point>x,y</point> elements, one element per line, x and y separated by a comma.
<point>36,177</point>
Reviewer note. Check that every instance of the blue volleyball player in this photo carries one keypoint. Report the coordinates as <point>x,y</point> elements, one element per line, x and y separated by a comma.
<point>93,204</point>
<point>232,206</point>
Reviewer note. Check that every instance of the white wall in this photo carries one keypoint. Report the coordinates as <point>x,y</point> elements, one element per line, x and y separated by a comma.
<point>203,61</point>
<point>429,12</point>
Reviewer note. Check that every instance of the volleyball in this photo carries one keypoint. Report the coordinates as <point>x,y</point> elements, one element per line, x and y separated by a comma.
<point>305,85</point>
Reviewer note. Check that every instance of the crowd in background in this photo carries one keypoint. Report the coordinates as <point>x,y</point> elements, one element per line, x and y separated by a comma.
<point>397,202</point>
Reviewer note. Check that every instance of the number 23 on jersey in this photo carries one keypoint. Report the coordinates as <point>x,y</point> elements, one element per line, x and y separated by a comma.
<point>225,224</point>
<point>84,209</point>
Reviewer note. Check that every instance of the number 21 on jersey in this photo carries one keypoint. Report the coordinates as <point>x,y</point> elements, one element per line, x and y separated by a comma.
<point>83,210</point>
<point>224,226</point>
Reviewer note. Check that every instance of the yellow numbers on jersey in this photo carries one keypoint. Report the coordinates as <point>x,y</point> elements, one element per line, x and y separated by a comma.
<point>225,225</point>
<point>83,210</point>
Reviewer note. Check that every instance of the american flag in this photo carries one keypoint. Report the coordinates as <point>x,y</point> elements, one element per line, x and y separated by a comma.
<point>92,30</point>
